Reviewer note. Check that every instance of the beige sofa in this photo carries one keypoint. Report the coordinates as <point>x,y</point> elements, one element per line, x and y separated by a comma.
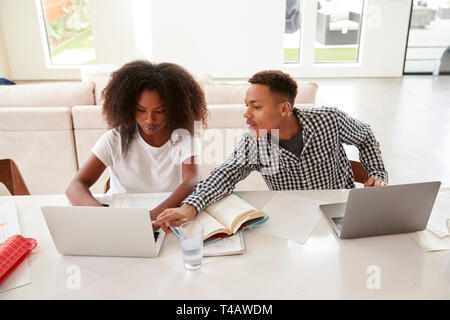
<point>49,129</point>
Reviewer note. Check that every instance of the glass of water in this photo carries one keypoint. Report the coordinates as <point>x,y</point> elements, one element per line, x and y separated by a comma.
<point>191,241</point>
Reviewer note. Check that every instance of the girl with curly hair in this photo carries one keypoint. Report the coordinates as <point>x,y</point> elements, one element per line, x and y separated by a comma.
<point>145,106</point>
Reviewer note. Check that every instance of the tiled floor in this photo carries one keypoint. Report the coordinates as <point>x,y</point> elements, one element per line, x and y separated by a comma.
<point>410,117</point>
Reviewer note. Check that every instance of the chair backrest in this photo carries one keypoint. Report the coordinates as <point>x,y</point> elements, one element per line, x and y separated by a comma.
<point>10,176</point>
<point>359,173</point>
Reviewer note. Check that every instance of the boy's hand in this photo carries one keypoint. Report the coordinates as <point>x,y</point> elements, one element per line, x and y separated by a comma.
<point>173,217</point>
<point>374,182</point>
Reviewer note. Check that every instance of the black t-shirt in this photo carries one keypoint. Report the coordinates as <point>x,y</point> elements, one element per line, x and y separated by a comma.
<point>294,144</point>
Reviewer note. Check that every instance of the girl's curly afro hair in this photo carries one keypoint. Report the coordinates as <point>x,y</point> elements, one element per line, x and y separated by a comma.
<point>183,98</point>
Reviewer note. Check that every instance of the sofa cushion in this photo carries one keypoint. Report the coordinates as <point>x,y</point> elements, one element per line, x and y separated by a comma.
<point>89,125</point>
<point>234,92</point>
<point>88,117</point>
<point>35,119</point>
<point>85,139</point>
<point>40,140</point>
<point>101,80</point>
<point>226,116</point>
<point>100,84</point>
<point>49,94</point>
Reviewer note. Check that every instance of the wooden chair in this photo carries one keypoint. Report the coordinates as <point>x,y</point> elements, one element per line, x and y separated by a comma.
<point>359,173</point>
<point>10,176</point>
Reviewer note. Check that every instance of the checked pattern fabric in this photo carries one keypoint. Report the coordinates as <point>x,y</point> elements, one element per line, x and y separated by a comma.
<point>323,163</point>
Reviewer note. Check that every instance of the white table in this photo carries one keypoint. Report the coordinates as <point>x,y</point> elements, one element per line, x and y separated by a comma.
<point>271,268</point>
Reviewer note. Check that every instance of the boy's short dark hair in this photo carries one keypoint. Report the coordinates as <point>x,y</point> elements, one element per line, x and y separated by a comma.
<point>280,83</point>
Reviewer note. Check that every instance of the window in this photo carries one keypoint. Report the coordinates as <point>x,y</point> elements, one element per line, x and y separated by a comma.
<point>429,36</point>
<point>338,28</point>
<point>292,32</point>
<point>69,33</point>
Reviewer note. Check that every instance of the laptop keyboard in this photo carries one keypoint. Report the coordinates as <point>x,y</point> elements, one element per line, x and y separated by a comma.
<point>338,221</point>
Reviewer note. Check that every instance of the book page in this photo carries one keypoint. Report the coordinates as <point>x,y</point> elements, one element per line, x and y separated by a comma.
<point>136,200</point>
<point>232,211</point>
<point>226,246</point>
<point>210,225</point>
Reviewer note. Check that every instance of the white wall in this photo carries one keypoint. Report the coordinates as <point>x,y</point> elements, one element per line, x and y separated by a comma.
<point>24,44</point>
<point>235,38</point>
<point>227,39</point>
<point>5,71</point>
<point>384,47</point>
<point>122,30</point>
<point>232,38</point>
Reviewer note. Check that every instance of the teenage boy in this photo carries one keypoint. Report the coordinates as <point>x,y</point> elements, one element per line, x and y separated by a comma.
<point>293,149</point>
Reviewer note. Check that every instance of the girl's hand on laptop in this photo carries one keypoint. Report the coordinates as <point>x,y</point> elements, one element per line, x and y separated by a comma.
<point>173,217</point>
<point>374,182</point>
<point>154,213</point>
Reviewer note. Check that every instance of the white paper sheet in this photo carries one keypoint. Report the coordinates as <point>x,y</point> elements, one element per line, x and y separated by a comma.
<point>428,241</point>
<point>291,217</point>
<point>9,225</point>
<point>9,222</point>
<point>439,222</point>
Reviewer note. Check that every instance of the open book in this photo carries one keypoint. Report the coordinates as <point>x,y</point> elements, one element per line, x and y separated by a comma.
<point>227,216</point>
<point>221,219</point>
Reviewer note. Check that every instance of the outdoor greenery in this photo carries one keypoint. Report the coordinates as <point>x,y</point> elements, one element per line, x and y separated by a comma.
<point>69,25</point>
<point>70,33</point>
<point>324,54</point>
<point>82,41</point>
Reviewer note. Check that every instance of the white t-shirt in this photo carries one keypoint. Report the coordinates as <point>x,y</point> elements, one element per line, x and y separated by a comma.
<point>145,168</point>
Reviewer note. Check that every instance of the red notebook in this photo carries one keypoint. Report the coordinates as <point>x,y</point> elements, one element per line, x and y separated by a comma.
<point>12,252</point>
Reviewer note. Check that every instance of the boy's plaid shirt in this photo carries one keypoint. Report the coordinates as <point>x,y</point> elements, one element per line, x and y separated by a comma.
<point>323,163</point>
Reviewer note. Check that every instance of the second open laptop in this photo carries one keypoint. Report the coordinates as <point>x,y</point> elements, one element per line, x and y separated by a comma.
<point>383,210</point>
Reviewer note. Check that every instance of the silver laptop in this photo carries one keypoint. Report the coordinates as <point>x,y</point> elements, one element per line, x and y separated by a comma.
<point>383,210</point>
<point>102,231</point>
